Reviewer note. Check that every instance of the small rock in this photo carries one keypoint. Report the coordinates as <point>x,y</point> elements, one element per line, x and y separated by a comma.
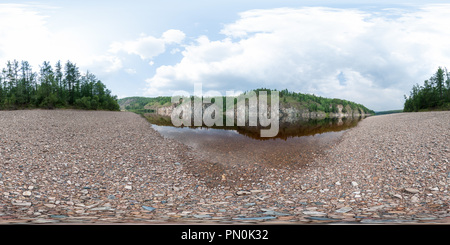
<point>241,193</point>
<point>376,208</point>
<point>411,190</point>
<point>343,210</point>
<point>256,218</point>
<point>322,219</point>
<point>44,221</point>
<point>148,208</point>
<point>202,216</point>
<point>311,208</point>
<point>58,216</point>
<point>104,208</point>
<point>275,213</point>
<point>286,218</point>
<point>22,204</point>
<point>415,199</point>
<point>314,213</point>
<point>256,191</point>
<point>354,183</point>
<point>26,193</point>
<point>128,187</point>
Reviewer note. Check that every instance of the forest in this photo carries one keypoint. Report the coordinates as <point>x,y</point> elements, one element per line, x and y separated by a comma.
<point>310,102</point>
<point>434,94</point>
<point>52,87</point>
<point>319,103</point>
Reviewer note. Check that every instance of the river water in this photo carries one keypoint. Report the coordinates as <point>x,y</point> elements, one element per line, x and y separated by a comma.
<point>295,146</point>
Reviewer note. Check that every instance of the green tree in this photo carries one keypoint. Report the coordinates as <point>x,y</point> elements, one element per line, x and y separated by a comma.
<point>434,94</point>
<point>440,80</point>
<point>72,76</point>
<point>21,87</point>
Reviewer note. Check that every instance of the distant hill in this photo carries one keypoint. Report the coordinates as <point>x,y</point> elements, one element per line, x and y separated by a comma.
<point>300,103</point>
<point>143,104</point>
<point>315,103</point>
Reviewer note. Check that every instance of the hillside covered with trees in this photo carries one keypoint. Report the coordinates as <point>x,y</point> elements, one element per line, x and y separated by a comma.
<point>301,101</point>
<point>433,95</point>
<point>316,103</point>
<point>58,87</point>
<point>143,104</point>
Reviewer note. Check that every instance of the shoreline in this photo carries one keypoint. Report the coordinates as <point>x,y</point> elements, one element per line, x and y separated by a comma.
<point>65,167</point>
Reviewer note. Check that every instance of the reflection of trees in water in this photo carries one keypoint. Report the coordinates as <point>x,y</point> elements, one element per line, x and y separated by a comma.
<point>159,120</point>
<point>287,130</point>
<point>303,128</point>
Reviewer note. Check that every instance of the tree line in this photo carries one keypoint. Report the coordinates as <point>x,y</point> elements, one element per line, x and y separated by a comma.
<point>52,87</point>
<point>319,103</point>
<point>433,95</point>
<point>308,101</point>
<point>138,103</point>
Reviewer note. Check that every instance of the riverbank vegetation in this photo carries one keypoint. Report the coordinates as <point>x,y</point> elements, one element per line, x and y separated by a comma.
<point>317,103</point>
<point>434,94</point>
<point>52,87</point>
<point>302,101</point>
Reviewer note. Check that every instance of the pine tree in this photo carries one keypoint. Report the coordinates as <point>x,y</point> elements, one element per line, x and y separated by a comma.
<point>434,94</point>
<point>21,88</point>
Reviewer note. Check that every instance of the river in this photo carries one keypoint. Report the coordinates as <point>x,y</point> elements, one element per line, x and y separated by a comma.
<point>295,146</point>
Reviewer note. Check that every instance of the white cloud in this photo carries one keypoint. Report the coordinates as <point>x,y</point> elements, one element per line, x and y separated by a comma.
<point>25,35</point>
<point>145,47</point>
<point>148,47</point>
<point>29,32</point>
<point>372,58</point>
<point>105,63</point>
<point>173,36</point>
<point>22,31</point>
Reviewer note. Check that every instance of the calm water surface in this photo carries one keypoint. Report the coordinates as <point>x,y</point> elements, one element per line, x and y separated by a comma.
<point>296,144</point>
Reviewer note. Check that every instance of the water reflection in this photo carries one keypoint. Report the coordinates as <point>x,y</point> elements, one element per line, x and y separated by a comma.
<point>299,128</point>
<point>238,154</point>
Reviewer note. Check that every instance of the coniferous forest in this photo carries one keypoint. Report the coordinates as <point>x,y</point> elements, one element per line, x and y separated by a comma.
<point>61,86</point>
<point>433,95</point>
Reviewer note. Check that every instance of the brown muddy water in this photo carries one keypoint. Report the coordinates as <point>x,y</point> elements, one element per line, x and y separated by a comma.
<point>295,146</point>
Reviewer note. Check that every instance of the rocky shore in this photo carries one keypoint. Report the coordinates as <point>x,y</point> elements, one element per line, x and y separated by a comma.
<point>68,166</point>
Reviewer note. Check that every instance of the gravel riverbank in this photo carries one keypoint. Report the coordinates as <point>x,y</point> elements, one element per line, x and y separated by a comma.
<point>68,166</point>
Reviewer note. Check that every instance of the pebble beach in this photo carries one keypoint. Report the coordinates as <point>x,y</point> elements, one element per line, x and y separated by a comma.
<point>99,167</point>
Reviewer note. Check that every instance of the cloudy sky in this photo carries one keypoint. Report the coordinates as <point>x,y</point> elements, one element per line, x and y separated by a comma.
<point>369,52</point>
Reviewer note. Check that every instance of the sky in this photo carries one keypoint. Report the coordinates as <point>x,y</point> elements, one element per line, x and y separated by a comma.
<point>369,52</point>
